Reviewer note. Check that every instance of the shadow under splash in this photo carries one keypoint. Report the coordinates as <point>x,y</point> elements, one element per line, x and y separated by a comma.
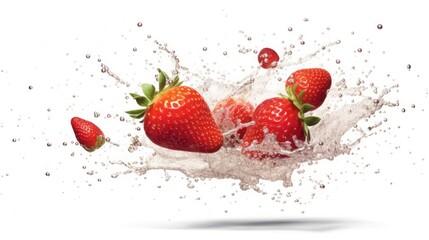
<point>278,224</point>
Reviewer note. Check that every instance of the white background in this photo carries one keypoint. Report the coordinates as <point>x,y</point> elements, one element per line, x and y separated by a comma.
<point>43,44</point>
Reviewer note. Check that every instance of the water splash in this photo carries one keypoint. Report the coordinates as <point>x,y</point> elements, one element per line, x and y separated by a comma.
<point>345,116</point>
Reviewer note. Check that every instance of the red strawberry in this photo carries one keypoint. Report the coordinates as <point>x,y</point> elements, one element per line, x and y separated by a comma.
<point>268,58</point>
<point>314,81</point>
<point>279,127</point>
<point>87,134</point>
<point>229,113</point>
<point>177,117</point>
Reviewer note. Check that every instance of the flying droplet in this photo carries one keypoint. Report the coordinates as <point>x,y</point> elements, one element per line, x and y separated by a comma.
<point>88,56</point>
<point>408,66</point>
<point>47,174</point>
<point>139,24</point>
<point>379,26</point>
<point>290,29</point>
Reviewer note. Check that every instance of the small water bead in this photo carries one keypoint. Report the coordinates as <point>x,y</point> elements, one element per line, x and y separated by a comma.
<point>96,114</point>
<point>99,180</point>
<point>47,174</point>
<point>139,24</point>
<point>204,48</point>
<point>88,56</point>
<point>306,19</point>
<point>103,69</point>
<point>322,186</point>
<point>379,26</point>
<point>107,139</point>
<point>13,139</point>
<point>30,87</point>
<point>403,110</point>
<point>99,60</point>
<point>149,36</point>
<point>90,172</point>
<point>225,53</point>
<point>121,119</point>
<point>109,115</point>
<point>302,42</point>
<point>290,29</point>
<point>359,49</point>
<point>49,144</point>
<point>249,38</point>
<point>134,49</point>
<point>408,66</point>
<point>338,61</point>
<point>413,106</point>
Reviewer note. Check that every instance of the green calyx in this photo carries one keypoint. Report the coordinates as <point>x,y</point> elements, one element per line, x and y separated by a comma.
<point>150,93</point>
<point>303,108</point>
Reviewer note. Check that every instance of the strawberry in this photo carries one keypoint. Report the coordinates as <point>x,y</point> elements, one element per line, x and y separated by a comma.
<point>87,134</point>
<point>177,117</point>
<point>315,82</point>
<point>280,127</point>
<point>268,58</point>
<point>229,114</point>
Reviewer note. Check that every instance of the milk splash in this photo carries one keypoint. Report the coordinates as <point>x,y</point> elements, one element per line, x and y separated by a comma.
<point>346,114</point>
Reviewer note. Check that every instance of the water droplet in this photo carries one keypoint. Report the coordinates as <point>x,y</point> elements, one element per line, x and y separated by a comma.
<point>321,143</point>
<point>47,174</point>
<point>408,66</point>
<point>134,49</point>
<point>139,24</point>
<point>204,48</point>
<point>103,70</point>
<point>88,56</point>
<point>306,19</point>
<point>225,53</point>
<point>13,139</point>
<point>99,180</point>
<point>403,110</point>
<point>249,38</point>
<point>379,26</point>
<point>83,167</point>
<point>48,144</point>
<point>359,49</point>
<point>338,61</point>
<point>302,42</point>
<point>30,87</point>
<point>413,106</point>
<point>99,60</point>
<point>322,186</point>
<point>149,36</point>
<point>290,29</point>
<point>121,119</point>
<point>90,172</point>
<point>96,114</point>
<point>107,139</point>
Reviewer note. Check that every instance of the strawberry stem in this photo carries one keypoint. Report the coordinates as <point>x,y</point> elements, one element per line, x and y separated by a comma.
<point>302,107</point>
<point>150,94</point>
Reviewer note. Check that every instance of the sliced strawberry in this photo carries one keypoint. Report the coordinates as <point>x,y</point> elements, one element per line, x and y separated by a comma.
<point>230,113</point>
<point>87,134</point>
<point>315,82</point>
<point>268,58</point>
<point>177,117</point>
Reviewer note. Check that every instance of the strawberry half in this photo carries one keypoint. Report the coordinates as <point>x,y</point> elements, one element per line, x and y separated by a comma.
<point>87,134</point>
<point>177,117</point>
<point>314,82</point>
<point>280,127</point>
<point>229,114</point>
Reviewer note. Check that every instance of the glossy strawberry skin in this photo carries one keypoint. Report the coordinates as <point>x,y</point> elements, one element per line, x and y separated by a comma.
<point>276,116</point>
<point>229,113</point>
<point>316,83</point>
<point>268,58</point>
<point>87,134</point>
<point>180,119</point>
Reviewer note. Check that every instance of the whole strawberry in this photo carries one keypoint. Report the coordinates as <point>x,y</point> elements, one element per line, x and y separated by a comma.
<point>87,134</point>
<point>230,113</point>
<point>268,58</point>
<point>280,127</point>
<point>177,117</point>
<point>315,82</point>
